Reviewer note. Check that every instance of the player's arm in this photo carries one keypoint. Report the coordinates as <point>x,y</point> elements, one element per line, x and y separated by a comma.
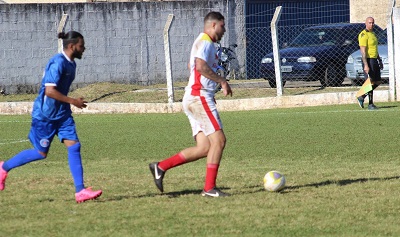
<point>52,92</point>
<point>205,70</point>
<point>363,50</point>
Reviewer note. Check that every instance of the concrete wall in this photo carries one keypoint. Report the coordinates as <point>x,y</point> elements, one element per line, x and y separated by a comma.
<point>124,41</point>
<point>378,9</point>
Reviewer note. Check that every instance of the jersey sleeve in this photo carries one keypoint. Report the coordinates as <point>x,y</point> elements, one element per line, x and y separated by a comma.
<point>201,51</point>
<point>52,74</point>
<point>363,39</point>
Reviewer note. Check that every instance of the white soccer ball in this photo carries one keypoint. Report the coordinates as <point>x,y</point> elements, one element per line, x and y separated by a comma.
<point>274,181</point>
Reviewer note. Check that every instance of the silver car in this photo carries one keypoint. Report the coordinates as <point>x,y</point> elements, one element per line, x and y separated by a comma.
<point>355,70</point>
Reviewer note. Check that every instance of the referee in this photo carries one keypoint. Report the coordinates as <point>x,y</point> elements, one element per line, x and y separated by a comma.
<point>372,63</point>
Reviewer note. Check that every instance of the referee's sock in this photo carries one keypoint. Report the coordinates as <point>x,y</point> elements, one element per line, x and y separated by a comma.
<point>371,97</point>
<point>22,158</point>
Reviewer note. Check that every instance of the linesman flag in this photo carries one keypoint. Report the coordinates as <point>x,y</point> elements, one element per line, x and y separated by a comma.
<point>365,88</point>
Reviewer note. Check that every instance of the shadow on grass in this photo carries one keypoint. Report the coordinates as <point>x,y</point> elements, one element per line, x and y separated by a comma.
<point>388,107</point>
<point>107,95</point>
<point>175,194</point>
<point>313,90</point>
<point>343,182</point>
<point>287,189</point>
<point>189,192</point>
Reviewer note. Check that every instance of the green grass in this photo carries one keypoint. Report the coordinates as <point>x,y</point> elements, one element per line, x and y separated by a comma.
<point>341,164</point>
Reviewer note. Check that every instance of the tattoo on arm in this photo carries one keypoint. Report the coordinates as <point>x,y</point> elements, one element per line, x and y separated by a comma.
<point>364,57</point>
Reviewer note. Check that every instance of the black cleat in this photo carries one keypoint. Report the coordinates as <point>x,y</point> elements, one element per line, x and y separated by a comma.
<point>360,101</point>
<point>372,107</point>
<point>158,175</point>
<point>215,192</point>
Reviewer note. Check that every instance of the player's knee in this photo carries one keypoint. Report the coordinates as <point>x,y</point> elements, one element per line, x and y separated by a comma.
<point>76,148</point>
<point>42,155</point>
<point>222,141</point>
<point>203,149</point>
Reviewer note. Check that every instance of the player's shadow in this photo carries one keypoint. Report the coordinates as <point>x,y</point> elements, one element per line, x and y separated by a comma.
<point>182,193</point>
<point>388,107</point>
<point>343,182</point>
<point>287,189</point>
<point>175,194</point>
<point>190,192</point>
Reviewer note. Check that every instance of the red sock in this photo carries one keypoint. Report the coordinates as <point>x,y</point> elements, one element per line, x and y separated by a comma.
<point>211,176</point>
<point>171,162</point>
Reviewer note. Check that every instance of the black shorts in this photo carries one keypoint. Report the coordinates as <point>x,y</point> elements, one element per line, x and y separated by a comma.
<point>374,70</point>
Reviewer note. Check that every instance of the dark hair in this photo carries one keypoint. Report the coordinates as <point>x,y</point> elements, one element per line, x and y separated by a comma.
<point>214,16</point>
<point>71,37</point>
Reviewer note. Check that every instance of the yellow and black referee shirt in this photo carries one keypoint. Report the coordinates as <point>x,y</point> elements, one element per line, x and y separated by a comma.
<point>369,40</point>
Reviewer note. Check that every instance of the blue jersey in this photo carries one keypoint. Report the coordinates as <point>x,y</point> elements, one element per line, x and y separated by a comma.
<point>59,72</point>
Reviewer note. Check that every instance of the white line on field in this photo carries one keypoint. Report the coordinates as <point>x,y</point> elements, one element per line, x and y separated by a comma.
<point>12,142</point>
<point>340,111</point>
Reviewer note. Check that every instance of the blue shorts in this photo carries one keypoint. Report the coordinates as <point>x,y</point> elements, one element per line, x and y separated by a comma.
<point>42,132</point>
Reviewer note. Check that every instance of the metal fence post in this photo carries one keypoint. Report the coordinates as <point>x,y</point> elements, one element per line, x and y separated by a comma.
<point>396,51</point>
<point>168,66</point>
<point>61,29</point>
<point>275,47</point>
<point>392,81</point>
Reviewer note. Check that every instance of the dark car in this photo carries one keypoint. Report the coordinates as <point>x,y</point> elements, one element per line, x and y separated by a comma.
<point>317,53</point>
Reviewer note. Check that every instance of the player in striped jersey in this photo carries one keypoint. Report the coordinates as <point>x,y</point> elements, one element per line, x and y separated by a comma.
<point>200,108</point>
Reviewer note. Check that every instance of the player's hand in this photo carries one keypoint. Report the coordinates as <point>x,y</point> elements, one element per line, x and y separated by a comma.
<point>380,64</point>
<point>80,103</point>
<point>226,88</point>
<point>366,69</point>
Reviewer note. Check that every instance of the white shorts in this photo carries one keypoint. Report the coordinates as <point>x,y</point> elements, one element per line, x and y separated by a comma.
<point>202,113</point>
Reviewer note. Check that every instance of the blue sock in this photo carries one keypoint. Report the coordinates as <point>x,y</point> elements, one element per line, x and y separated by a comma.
<point>75,165</point>
<point>22,158</point>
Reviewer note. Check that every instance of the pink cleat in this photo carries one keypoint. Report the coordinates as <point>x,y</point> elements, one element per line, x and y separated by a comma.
<point>3,176</point>
<point>87,194</point>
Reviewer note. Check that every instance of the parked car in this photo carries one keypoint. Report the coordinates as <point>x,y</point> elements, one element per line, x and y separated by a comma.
<point>317,53</point>
<point>354,68</point>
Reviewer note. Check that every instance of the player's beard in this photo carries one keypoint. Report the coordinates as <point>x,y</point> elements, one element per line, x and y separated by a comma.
<point>220,36</point>
<point>77,54</point>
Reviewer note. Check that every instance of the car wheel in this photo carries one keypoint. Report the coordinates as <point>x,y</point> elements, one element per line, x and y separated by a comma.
<point>272,83</point>
<point>333,76</point>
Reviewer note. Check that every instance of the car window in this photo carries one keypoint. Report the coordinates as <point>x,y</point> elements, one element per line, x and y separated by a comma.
<point>352,35</point>
<point>315,38</point>
<point>382,36</point>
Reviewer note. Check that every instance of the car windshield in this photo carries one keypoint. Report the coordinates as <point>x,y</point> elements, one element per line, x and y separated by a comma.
<point>315,37</point>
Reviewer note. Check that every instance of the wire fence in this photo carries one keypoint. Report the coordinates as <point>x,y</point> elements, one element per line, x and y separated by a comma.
<point>316,54</point>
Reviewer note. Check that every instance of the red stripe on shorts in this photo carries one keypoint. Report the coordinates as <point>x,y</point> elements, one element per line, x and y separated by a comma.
<point>210,115</point>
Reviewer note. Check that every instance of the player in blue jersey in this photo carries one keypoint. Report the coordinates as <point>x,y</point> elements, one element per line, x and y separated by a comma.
<point>52,115</point>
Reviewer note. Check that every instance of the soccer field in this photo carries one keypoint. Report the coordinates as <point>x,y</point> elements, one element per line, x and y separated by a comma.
<point>341,165</point>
